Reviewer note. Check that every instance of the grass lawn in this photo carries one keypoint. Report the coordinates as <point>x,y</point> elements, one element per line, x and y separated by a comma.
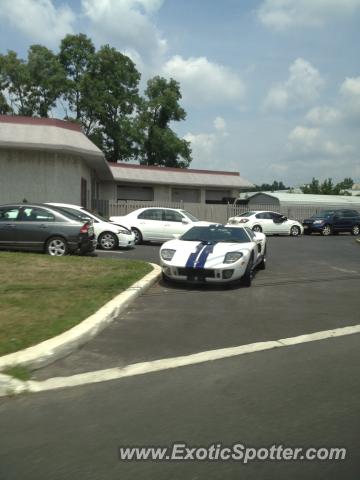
<point>42,296</point>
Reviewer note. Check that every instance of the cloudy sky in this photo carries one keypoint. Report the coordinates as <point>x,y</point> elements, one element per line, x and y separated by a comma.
<point>271,87</point>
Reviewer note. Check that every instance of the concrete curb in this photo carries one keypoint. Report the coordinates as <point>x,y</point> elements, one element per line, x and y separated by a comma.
<point>62,345</point>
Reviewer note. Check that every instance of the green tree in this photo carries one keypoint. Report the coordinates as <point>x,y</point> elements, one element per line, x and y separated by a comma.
<point>313,187</point>
<point>160,145</point>
<point>111,90</point>
<point>346,184</point>
<point>4,106</point>
<point>47,79</point>
<point>76,55</point>
<point>327,187</point>
<point>15,80</point>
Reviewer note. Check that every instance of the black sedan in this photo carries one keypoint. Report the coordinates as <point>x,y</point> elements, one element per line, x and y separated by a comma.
<point>38,227</point>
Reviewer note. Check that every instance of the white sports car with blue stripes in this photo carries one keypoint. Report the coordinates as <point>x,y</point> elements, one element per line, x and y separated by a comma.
<point>214,254</point>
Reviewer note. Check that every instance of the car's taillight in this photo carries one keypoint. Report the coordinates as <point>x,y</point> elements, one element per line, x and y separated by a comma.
<point>85,228</point>
<point>244,220</point>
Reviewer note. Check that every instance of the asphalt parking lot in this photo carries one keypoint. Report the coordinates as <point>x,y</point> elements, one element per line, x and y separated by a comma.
<point>306,395</point>
<point>310,284</point>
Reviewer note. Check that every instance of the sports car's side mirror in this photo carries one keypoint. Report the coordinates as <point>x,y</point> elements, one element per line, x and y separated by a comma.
<point>184,221</point>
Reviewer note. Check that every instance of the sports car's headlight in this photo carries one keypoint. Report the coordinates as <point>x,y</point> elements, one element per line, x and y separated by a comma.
<point>318,221</point>
<point>124,232</point>
<point>232,257</point>
<point>167,254</point>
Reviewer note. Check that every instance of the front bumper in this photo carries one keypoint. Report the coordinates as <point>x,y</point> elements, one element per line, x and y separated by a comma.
<point>126,241</point>
<point>225,274</point>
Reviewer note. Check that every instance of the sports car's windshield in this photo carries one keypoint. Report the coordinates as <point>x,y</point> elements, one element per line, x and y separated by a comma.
<point>216,234</point>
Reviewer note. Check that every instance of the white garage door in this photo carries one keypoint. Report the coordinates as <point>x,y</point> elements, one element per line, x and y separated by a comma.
<point>125,192</point>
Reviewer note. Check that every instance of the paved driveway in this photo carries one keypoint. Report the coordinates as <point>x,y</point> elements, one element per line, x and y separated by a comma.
<point>311,284</point>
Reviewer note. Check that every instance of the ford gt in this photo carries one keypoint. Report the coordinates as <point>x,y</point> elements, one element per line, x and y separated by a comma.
<point>214,254</point>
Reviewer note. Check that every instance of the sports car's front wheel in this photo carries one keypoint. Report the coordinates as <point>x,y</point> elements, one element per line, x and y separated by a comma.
<point>248,275</point>
<point>262,264</point>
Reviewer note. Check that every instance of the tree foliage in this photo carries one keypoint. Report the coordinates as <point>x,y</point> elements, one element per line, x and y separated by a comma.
<point>76,56</point>
<point>99,90</point>
<point>160,145</point>
<point>327,187</point>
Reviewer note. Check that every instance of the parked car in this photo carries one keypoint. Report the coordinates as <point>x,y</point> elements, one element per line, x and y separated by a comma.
<point>214,254</point>
<point>268,222</point>
<point>42,228</point>
<point>327,222</point>
<point>158,224</point>
<point>109,235</point>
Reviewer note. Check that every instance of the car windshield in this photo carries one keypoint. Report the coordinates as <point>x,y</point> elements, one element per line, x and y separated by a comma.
<point>216,234</point>
<point>192,218</point>
<point>246,214</point>
<point>324,214</point>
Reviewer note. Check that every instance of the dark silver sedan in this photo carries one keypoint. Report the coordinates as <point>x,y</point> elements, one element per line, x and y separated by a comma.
<point>39,227</point>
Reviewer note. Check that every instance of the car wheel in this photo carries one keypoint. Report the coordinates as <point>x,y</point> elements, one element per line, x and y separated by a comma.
<point>262,264</point>
<point>295,231</point>
<point>108,241</point>
<point>248,275</point>
<point>326,230</point>
<point>138,236</point>
<point>257,228</point>
<point>56,247</point>
<point>355,230</point>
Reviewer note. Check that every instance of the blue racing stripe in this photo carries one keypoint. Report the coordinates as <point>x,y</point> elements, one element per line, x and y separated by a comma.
<point>204,255</point>
<point>193,256</point>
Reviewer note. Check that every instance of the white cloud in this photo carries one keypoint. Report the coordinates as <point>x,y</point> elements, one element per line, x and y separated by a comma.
<point>285,14</point>
<point>304,136</point>
<point>219,124</point>
<point>323,116</point>
<point>128,25</point>
<point>203,81</point>
<point>350,92</point>
<point>302,87</point>
<point>202,145</point>
<point>311,141</point>
<point>40,20</point>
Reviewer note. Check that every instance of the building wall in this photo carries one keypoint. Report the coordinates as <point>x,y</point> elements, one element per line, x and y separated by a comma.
<point>42,177</point>
<point>164,193</point>
<point>263,199</point>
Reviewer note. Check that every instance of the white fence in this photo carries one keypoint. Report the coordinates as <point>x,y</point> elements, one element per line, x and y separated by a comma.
<point>213,213</point>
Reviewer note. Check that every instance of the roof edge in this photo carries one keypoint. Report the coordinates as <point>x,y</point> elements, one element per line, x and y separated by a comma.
<point>172,169</point>
<point>48,122</point>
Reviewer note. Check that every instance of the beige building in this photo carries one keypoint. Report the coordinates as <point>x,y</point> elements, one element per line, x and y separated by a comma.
<point>138,182</point>
<point>48,160</point>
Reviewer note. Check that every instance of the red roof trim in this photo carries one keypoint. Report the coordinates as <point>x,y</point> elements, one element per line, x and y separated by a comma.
<point>52,122</point>
<point>170,169</point>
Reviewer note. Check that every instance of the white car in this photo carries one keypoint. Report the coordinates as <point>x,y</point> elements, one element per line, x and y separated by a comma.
<point>109,235</point>
<point>272,223</point>
<point>158,224</point>
<point>214,254</point>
